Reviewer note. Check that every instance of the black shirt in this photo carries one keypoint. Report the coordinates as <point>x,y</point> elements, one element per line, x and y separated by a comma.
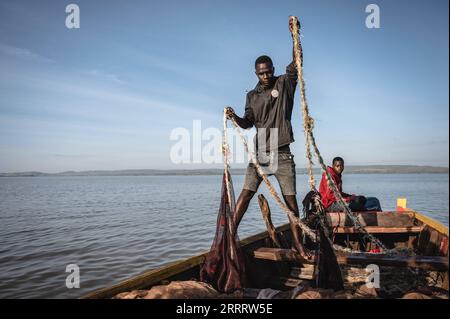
<point>271,108</point>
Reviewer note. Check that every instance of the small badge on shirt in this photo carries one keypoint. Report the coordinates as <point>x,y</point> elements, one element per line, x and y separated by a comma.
<point>274,93</point>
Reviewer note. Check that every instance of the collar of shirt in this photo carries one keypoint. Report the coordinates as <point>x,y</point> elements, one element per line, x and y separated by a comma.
<point>259,88</point>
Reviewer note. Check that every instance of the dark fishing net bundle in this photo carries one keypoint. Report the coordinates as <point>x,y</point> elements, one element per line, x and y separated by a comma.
<point>329,272</point>
<point>224,266</point>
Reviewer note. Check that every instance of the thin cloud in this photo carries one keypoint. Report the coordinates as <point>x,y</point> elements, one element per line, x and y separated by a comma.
<point>71,155</point>
<point>23,54</point>
<point>125,99</point>
<point>104,75</point>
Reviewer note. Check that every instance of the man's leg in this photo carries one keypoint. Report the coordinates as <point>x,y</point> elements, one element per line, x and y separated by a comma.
<point>286,176</point>
<point>291,202</point>
<point>251,184</point>
<point>242,205</point>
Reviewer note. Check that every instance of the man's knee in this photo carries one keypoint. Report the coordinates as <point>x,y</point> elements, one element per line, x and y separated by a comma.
<point>246,195</point>
<point>291,201</point>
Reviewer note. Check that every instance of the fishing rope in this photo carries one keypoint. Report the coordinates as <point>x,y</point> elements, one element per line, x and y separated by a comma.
<point>308,124</point>
<point>226,156</point>
<point>226,161</point>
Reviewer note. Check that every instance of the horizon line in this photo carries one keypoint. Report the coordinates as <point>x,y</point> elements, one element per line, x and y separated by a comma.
<point>214,168</point>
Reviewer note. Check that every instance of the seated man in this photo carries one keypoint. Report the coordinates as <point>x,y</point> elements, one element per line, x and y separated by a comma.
<point>355,203</point>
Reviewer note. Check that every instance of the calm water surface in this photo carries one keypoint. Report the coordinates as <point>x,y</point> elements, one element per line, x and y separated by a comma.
<point>116,227</point>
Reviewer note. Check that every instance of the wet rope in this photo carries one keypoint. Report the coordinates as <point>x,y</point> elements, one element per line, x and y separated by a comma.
<point>308,124</point>
<point>226,161</point>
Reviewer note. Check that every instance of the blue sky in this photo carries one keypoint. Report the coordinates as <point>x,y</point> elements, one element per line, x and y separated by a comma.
<point>107,95</point>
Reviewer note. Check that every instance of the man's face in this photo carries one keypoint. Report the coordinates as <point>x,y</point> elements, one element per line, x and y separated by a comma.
<point>264,72</point>
<point>338,167</point>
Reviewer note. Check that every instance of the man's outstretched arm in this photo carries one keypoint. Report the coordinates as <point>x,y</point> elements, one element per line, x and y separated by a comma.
<point>243,122</point>
<point>291,69</point>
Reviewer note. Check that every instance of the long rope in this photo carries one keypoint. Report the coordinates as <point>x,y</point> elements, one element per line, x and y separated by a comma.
<point>308,124</point>
<point>230,195</point>
<point>226,161</point>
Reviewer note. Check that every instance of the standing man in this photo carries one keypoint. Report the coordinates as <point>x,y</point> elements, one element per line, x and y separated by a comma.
<point>269,108</point>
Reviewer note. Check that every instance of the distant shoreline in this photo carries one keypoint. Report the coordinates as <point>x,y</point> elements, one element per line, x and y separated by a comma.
<point>366,169</point>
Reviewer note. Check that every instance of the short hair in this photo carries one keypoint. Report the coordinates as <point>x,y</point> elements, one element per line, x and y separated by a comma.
<point>263,59</point>
<point>338,159</point>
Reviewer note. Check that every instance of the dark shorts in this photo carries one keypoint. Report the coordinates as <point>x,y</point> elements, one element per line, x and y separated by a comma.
<point>284,172</point>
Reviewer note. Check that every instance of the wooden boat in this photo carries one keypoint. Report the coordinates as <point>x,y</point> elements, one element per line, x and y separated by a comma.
<point>278,268</point>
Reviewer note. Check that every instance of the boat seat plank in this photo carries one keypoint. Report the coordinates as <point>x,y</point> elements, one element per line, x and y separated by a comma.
<point>382,219</point>
<point>437,263</point>
<point>379,230</point>
<point>279,254</point>
<point>284,283</point>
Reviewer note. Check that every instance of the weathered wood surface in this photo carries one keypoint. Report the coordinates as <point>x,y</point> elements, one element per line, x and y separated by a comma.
<point>265,210</point>
<point>279,254</point>
<point>430,222</point>
<point>306,272</point>
<point>378,229</point>
<point>438,263</point>
<point>381,219</point>
<point>424,262</point>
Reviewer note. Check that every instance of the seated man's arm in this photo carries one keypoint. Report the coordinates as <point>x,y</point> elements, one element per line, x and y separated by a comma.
<point>347,197</point>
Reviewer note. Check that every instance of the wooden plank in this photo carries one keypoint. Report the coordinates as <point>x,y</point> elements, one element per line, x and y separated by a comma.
<point>265,211</point>
<point>443,247</point>
<point>437,263</point>
<point>433,246</point>
<point>378,230</point>
<point>424,238</point>
<point>445,281</point>
<point>277,254</point>
<point>411,239</point>
<point>284,282</point>
<point>306,273</point>
<point>382,219</point>
<point>431,222</point>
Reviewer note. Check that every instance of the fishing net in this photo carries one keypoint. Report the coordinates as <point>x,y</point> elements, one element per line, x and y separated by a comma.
<point>224,266</point>
<point>329,272</point>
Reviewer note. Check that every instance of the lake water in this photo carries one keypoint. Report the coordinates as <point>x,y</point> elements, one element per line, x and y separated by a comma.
<point>117,227</point>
